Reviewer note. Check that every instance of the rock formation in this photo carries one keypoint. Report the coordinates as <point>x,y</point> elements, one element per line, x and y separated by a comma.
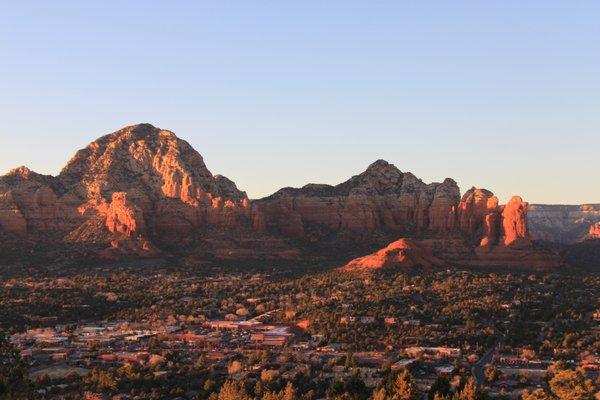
<point>35,204</point>
<point>561,223</point>
<point>594,232</point>
<point>514,222</point>
<point>161,174</point>
<point>403,253</point>
<point>384,199</point>
<point>381,198</point>
<point>139,182</point>
<point>124,218</point>
<point>142,188</point>
<point>478,216</point>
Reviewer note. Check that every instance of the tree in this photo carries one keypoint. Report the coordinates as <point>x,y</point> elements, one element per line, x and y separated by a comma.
<point>289,393</point>
<point>440,387</point>
<point>557,366</point>
<point>232,391</point>
<point>492,374</point>
<point>572,385</point>
<point>234,367</point>
<point>351,388</point>
<point>470,391</point>
<point>538,394</point>
<point>404,387</point>
<point>379,394</point>
<point>350,360</point>
<point>12,371</point>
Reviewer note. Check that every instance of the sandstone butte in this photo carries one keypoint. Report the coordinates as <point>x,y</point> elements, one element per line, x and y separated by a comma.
<point>403,253</point>
<point>594,232</point>
<point>142,190</point>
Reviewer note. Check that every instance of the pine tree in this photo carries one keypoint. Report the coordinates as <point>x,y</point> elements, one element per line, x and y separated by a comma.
<point>440,387</point>
<point>470,391</point>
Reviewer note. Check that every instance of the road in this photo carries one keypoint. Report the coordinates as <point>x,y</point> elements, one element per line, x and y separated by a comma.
<point>478,369</point>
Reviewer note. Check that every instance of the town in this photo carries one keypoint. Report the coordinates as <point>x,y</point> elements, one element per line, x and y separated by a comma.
<point>174,333</point>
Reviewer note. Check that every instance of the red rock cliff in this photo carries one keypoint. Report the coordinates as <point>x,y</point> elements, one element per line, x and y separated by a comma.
<point>381,198</point>
<point>145,180</point>
<point>384,199</point>
<point>124,218</point>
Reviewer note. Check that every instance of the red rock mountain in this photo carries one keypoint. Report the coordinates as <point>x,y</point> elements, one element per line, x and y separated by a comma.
<point>384,199</point>
<point>141,190</point>
<point>138,182</point>
<point>381,198</point>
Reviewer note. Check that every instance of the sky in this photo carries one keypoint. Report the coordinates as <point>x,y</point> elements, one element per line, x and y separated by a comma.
<point>503,95</point>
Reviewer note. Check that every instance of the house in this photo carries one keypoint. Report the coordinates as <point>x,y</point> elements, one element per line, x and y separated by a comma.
<point>403,363</point>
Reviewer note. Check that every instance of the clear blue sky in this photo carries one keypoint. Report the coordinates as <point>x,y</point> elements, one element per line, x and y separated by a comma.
<point>497,94</point>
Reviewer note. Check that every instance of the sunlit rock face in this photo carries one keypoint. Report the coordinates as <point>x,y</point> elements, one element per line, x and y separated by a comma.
<point>161,174</point>
<point>381,198</point>
<point>594,232</point>
<point>514,222</point>
<point>124,218</point>
<point>477,216</point>
<point>34,204</point>
<point>401,254</point>
<point>142,189</point>
<point>385,199</point>
<point>140,181</point>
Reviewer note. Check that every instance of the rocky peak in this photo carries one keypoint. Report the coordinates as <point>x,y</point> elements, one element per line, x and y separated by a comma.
<point>21,172</point>
<point>379,178</point>
<point>152,162</point>
<point>23,175</point>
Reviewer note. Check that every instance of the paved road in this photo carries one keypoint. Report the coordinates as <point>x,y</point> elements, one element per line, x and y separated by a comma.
<point>478,369</point>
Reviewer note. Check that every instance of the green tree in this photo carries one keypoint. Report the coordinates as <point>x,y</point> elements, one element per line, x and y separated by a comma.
<point>12,371</point>
<point>440,387</point>
<point>351,388</point>
<point>470,391</point>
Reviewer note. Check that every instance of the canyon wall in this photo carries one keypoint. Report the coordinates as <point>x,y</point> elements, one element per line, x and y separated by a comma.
<point>562,223</point>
